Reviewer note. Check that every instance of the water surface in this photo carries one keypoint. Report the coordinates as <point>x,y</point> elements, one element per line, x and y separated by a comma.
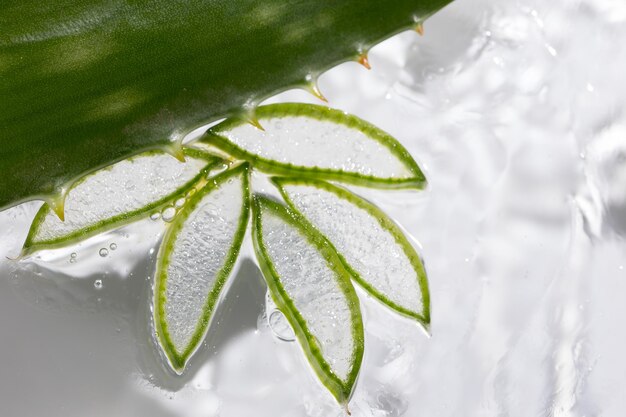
<point>516,112</point>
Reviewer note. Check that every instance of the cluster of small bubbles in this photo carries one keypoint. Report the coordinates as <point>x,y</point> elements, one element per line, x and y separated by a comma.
<point>73,257</point>
<point>104,252</point>
<point>97,284</point>
<point>179,203</point>
<point>155,216</point>
<point>113,246</point>
<point>168,214</point>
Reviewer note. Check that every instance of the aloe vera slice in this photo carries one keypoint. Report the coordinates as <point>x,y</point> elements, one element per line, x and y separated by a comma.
<point>195,260</point>
<point>309,284</point>
<point>319,142</point>
<point>117,195</point>
<point>371,245</point>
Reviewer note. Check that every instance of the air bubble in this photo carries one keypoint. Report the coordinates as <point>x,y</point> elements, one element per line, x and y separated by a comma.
<point>104,252</point>
<point>113,246</point>
<point>179,203</point>
<point>169,214</point>
<point>155,216</point>
<point>97,284</point>
<point>280,326</point>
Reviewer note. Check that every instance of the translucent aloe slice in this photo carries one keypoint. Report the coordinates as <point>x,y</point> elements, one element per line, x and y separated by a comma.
<point>319,142</point>
<point>117,195</point>
<point>372,246</point>
<point>195,260</point>
<point>311,287</point>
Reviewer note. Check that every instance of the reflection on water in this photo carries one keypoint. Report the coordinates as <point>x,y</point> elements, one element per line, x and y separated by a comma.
<point>516,110</point>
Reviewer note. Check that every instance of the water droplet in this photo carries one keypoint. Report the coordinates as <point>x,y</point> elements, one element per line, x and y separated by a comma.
<point>104,252</point>
<point>113,246</point>
<point>97,284</point>
<point>179,203</point>
<point>73,255</point>
<point>72,260</point>
<point>169,214</point>
<point>155,216</point>
<point>280,326</point>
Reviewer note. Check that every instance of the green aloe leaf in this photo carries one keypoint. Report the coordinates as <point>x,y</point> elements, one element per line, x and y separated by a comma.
<point>196,258</point>
<point>309,284</point>
<point>117,195</point>
<point>318,142</point>
<point>85,83</point>
<point>371,245</point>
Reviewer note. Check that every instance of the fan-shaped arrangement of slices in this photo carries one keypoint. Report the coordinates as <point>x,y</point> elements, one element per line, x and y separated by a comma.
<point>312,245</point>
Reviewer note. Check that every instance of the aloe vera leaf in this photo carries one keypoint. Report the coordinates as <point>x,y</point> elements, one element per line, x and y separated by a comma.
<point>318,142</point>
<point>196,258</point>
<point>117,195</point>
<point>85,83</point>
<point>373,248</point>
<point>309,284</point>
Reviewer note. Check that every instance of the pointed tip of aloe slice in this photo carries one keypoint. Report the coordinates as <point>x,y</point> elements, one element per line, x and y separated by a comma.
<point>17,258</point>
<point>175,362</point>
<point>178,364</point>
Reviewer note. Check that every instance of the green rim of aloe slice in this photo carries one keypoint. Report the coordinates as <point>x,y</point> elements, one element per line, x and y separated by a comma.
<point>412,176</point>
<point>33,243</point>
<point>387,225</point>
<point>340,389</point>
<point>178,358</point>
